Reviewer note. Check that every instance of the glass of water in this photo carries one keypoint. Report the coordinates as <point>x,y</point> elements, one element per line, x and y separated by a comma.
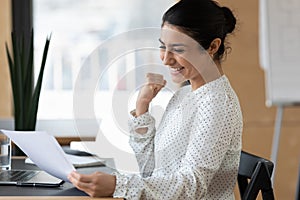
<point>5,152</point>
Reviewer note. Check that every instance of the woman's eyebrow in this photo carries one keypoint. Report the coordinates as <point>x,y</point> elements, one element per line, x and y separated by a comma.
<point>160,41</point>
<point>173,45</point>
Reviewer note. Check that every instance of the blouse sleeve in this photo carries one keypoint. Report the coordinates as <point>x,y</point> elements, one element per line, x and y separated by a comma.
<point>143,143</point>
<point>212,130</point>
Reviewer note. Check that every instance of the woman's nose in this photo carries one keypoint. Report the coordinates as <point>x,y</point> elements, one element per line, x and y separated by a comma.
<point>168,58</point>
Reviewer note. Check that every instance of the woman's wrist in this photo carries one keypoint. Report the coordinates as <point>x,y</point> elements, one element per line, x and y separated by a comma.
<point>114,183</point>
<point>139,113</point>
<point>141,107</point>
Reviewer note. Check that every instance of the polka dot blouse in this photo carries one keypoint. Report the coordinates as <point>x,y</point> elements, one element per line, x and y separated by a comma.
<point>195,151</point>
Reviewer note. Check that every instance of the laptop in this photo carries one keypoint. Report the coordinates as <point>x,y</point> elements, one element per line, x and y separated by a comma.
<point>35,178</point>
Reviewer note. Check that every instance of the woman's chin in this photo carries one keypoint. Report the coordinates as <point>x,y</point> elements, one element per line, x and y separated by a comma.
<point>178,79</point>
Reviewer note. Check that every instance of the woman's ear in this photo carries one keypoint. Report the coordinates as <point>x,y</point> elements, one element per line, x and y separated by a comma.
<point>214,46</point>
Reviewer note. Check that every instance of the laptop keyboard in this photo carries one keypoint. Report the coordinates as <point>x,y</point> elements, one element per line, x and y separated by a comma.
<point>16,176</point>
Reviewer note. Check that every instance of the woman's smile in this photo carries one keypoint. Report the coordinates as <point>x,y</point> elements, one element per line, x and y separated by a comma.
<point>176,71</point>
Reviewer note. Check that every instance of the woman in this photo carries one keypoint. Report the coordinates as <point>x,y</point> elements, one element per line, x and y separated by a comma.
<point>194,153</point>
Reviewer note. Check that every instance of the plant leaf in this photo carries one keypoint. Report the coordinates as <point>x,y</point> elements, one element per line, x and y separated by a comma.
<point>36,94</point>
<point>28,78</point>
<point>11,70</point>
<point>21,66</point>
<point>19,112</point>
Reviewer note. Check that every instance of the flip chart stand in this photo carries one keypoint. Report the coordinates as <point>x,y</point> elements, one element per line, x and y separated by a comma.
<point>276,137</point>
<point>277,133</point>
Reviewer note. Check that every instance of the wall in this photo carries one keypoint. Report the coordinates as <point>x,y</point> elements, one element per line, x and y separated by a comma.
<point>243,69</point>
<point>5,27</point>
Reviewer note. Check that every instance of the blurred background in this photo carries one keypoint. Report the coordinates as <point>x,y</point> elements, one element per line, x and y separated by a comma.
<point>78,27</point>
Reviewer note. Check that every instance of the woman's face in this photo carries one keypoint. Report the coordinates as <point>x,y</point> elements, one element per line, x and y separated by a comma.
<point>184,57</point>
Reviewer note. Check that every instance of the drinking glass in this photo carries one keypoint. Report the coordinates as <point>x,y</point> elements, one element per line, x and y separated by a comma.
<point>5,152</point>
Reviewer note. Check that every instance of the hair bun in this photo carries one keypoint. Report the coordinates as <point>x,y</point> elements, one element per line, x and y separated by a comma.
<point>230,20</point>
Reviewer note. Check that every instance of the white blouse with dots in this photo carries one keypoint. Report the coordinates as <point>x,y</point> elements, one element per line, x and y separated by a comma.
<point>195,151</point>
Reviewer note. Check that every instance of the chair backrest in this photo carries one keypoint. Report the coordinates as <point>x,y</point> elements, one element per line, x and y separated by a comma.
<point>255,175</point>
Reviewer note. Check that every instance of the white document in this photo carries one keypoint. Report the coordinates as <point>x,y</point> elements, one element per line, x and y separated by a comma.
<point>79,161</point>
<point>44,151</point>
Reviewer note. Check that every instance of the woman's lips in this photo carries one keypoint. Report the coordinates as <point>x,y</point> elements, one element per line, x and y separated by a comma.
<point>176,71</point>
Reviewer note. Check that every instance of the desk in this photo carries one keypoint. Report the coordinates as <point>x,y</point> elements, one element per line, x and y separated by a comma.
<point>66,191</point>
<point>51,198</point>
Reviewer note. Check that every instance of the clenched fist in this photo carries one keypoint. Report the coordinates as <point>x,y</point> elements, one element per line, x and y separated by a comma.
<point>154,83</point>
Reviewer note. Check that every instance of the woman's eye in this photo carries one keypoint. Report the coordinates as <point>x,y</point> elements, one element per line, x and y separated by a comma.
<point>178,50</point>
<point>162,47</point>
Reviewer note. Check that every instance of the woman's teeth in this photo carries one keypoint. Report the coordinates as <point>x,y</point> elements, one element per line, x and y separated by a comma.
<point>177,69</point>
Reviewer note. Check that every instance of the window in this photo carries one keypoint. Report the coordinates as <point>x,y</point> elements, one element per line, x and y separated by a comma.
<point>79,30</point>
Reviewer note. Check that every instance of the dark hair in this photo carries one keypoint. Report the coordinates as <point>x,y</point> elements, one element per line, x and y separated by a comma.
<point>203,20</point>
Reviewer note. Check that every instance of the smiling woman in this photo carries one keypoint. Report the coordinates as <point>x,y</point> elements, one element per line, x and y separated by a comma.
<point>195,150</point>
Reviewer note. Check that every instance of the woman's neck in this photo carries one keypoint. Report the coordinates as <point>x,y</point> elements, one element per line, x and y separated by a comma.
<point>210,75</point>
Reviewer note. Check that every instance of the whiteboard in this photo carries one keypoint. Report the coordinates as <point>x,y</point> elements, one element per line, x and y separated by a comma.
<point>279,46</point>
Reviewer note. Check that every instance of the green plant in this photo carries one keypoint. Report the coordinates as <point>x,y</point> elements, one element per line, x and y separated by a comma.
<point>21,67</point>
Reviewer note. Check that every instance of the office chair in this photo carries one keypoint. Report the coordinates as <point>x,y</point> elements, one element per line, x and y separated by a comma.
<point>255,175</point>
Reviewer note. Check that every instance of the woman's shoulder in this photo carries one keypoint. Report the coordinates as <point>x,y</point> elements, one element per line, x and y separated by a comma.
<point>217,89</point>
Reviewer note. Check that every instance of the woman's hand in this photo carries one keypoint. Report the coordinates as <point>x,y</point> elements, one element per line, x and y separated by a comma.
<point>154,83</point>
<point>97,184</point>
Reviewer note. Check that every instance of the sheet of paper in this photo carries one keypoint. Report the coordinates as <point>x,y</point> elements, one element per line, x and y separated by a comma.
<point>44,151</point>
<point>79,161</point>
